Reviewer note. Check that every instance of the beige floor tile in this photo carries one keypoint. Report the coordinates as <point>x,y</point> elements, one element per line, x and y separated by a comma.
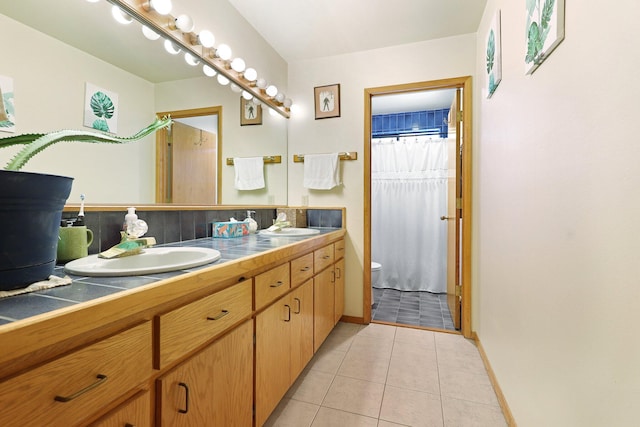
<point>418,337</point>
<point>465,361</point>
<point>292,413</point>
<point>412,354</point>
<point>364,366</point>
<point>383,423</point>
<point>328,417</point>
<point>354,395</point>
<point>339,342</point>
<point>461,413</point>
<point>343,328</point>
<point>326,361</point>
<point>311,386</point>
<point>378,331</point>
<point>412,408</point>
<point>463,385</point>
<point>375,348</point>
<point>416,374</point>
<point>454,343</point>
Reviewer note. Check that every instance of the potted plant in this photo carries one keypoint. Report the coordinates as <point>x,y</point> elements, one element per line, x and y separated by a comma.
<point>31,204</point>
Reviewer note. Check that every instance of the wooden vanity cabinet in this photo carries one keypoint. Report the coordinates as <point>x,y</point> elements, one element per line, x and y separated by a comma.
<point>136,412</point>
<point>69,390</point>
<point>339,290</point>
<point>212,388</point>
<point>284,346</point>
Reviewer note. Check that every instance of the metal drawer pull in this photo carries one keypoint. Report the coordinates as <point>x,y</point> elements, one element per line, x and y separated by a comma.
<point>288,312</point>
<point>129,425</point>
<point>339,272</point>
<point>333,276</point>
<point>305,269</point>
<point>277,284</point>
<point>326,257</point>
<point>219,316</point>
<point>186,399</point>
<point>299,305</point>
<point>101,379</point>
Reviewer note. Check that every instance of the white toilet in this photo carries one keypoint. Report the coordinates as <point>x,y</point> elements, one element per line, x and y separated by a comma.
<point>376,268</point>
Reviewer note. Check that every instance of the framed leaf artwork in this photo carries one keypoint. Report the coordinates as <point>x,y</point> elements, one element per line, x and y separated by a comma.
<point>327,101</point>
<point>544,32</point>
<point>7,109</point>
<point>100,109</point>
<point>493,55</point>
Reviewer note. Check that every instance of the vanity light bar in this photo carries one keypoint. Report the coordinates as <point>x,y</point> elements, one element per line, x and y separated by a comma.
<point>158,23</point>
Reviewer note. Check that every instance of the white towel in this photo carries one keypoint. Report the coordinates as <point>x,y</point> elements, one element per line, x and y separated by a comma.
<point>321,171</point>
<point>249,173</point>
<point>51,282</point>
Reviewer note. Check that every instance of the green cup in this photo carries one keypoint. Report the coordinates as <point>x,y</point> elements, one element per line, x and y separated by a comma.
<point>73,243</point>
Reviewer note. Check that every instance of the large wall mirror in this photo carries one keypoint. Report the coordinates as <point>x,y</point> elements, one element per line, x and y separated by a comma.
<point>54,49</point>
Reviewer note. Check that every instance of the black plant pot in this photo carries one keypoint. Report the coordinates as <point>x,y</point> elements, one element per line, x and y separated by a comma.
<point>30,211</point>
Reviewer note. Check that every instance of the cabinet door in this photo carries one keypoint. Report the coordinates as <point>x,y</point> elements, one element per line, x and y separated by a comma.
<point>301,328</point>
<point>323,306</point>
<point>272,357</point>
<point>135,412</point>
<point>214,387</point>
<point>339,290</point>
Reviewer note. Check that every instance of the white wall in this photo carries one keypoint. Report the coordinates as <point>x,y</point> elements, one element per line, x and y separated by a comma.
<point>556,294</point>
<point>438,59</point>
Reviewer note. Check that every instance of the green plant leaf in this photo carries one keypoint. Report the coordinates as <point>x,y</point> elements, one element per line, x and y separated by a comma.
<point>6,124</point>
<point>547,11</point>
<point>35,143</point>
<point>101,124</point>
<point>102,105</point>
<point>534,44</point>
<point>491,51</point>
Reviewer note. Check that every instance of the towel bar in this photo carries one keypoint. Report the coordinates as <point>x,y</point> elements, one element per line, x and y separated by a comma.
<point>266,159</point>
<point>345,155</point>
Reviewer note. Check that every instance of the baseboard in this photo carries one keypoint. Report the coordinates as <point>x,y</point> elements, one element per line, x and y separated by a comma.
<point>352,319</point>
<point>494,381</point>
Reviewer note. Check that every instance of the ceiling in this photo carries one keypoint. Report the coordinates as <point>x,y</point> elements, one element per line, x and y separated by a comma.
<point>305,29</point>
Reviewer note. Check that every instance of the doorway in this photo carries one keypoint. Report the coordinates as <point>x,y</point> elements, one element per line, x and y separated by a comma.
<point>188,163</point>
<point>457,258</point>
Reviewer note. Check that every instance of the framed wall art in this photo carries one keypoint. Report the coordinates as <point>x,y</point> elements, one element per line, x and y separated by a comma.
<point>493,55</point>
<point>544,32</point>
<point>7,110</point>
<point>327,101</point>
<point>100,109</point>
<point>250,113</point>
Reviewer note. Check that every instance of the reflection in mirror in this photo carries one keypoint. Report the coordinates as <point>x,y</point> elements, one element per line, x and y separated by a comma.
<point>55,54</point>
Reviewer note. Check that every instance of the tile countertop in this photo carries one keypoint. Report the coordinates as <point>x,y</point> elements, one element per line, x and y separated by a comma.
<point>84,289</point>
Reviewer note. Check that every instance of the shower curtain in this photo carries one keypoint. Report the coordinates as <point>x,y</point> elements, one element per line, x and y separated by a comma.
<point>408,197</point>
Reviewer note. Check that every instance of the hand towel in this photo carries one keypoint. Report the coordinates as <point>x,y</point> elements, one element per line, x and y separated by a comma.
<point>51,282</point>
<point>321,171</point>
<point>249,173</point>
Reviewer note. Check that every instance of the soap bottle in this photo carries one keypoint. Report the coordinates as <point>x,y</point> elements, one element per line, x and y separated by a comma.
<point>253,225</point>
<point>129,219</point>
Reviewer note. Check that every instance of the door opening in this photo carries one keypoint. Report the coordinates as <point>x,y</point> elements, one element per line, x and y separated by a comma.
<point>458,290</point>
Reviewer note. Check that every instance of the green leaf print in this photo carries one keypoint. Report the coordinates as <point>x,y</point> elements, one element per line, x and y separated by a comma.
<point>491,51</point>
<point>534,43</point>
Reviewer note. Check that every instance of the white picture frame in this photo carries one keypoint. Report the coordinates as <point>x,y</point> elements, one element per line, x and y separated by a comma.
<point>544,31</point>
<point>493,55</point>
<point>100,109</point>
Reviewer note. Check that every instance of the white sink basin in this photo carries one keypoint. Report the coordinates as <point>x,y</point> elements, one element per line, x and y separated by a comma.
<point>152,260</point>
<point>290,232</point>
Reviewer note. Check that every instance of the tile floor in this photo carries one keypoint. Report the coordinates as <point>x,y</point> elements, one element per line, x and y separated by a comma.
<point>411,308</point>
<point>386,376</point>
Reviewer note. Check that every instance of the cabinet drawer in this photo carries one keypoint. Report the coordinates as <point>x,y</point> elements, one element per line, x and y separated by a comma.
<point>271,284</point>
<point>339,249</point>
<point>136,412</point>
<point>301,269</point>
<point>68,390</point>
<point>186,328</point>
<point>322,258</point>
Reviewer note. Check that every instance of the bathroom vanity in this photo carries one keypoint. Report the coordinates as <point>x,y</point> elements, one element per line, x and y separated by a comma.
<point>189,349</point>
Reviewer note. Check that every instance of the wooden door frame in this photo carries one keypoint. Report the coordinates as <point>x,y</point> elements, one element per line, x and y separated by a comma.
<point>161,152</point>
<point>452,83</point>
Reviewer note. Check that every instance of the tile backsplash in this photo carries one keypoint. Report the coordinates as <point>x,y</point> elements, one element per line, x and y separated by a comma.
<point>178,225</point>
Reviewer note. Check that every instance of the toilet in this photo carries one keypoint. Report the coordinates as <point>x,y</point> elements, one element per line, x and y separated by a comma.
<point>375,278</point>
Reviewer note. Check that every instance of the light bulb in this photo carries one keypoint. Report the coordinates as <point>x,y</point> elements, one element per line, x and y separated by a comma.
<point>238,65</point>
<point>246,95</point>
<point>120,16</point>
<point>171,48</point>
<point>280,97</point>
<point>149,33</point>
<point>272,90</point>
<point>235,88</point>
<point>261,83</point>
<point>224,52</point>
<point>208,71</point>
<point>223,80</point>
<point>250,74</point>
<point>184,23</point>
<point>163,7</point>
<point>191,60</point>
<point>206,38</point>
<point>287,103</point>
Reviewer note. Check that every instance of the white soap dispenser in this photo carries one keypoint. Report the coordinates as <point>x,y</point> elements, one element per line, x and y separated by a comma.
<point>253,225</point>
<point>129,219</point>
